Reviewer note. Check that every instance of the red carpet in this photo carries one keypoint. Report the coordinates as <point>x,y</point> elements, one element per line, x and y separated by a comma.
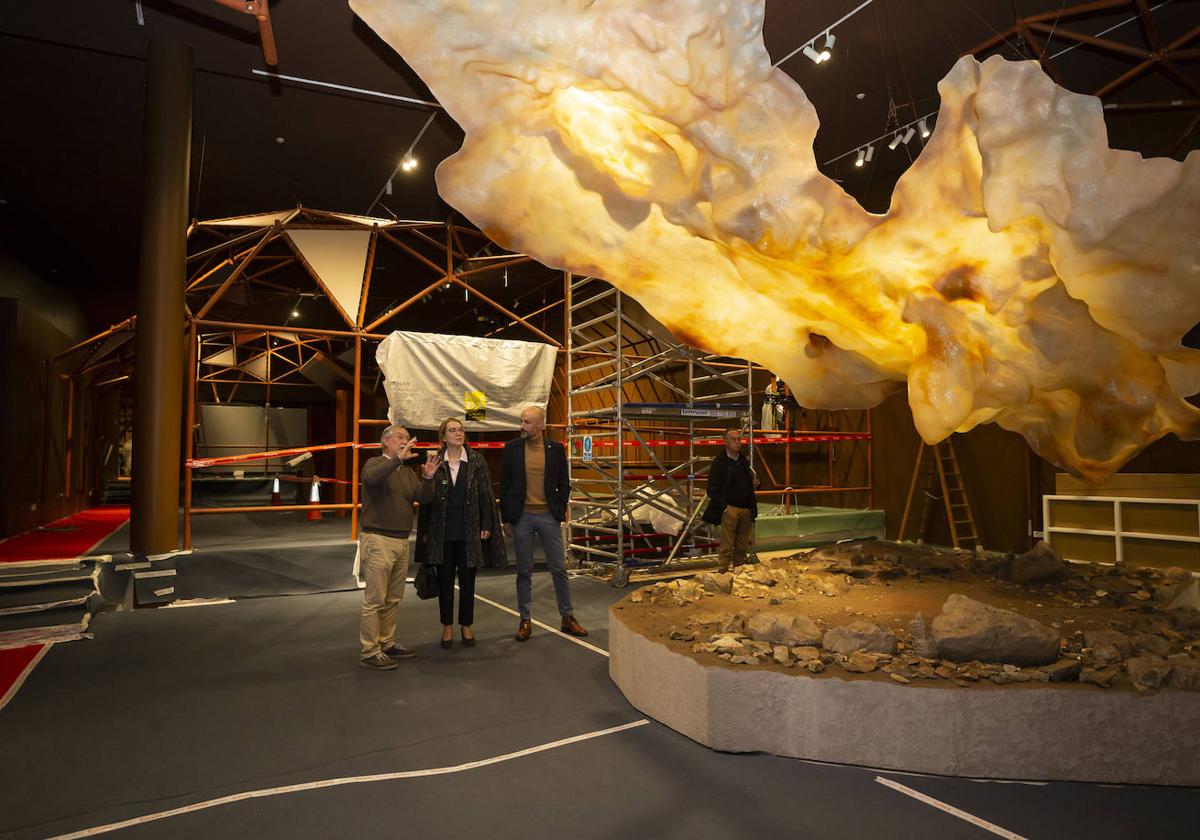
<point>15,665</point>
<point>65,539</point>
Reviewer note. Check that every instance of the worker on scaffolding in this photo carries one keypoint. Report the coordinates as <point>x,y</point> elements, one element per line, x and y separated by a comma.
<point>730,489</point>
<point>534,486</point>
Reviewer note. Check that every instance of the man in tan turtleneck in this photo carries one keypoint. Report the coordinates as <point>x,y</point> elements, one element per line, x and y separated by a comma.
<point>534,486</point>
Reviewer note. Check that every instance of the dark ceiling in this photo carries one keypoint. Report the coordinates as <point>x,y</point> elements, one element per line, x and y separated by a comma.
<point>74,75</point>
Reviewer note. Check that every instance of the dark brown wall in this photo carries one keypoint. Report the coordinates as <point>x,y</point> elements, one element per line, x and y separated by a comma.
<point>35,323</point>
<point>995,465</point>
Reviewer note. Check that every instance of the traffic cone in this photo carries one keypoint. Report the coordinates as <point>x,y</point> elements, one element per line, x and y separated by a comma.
<point>275,500</point>
<point>315,498</point>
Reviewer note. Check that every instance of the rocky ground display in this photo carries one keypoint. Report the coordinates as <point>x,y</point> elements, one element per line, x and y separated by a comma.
<point>915,614</point>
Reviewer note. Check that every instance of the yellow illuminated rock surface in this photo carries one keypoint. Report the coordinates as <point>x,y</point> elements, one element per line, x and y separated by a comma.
<point>1025,273</point>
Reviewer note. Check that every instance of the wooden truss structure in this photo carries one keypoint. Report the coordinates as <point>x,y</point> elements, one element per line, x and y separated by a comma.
<point>285,307</point>
<point>1165,53</point>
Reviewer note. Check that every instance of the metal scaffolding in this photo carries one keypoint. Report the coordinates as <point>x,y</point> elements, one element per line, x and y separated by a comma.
<point>637,399</point>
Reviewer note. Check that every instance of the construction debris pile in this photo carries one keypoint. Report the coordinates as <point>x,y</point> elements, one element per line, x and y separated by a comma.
<point>841,610</point>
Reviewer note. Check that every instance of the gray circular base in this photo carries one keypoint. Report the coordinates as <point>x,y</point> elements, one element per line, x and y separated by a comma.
<point>1022,732</point>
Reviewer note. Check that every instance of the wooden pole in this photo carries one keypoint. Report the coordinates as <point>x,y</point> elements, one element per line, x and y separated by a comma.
<point>154,523</point>
<point>354,489</point>
<point>341,422</point>
<point>189,436</point>
<point>70,437</point>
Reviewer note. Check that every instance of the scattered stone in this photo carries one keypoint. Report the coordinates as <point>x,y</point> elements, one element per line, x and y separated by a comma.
<point>716,582</point>
<point>709,623</point>
<point>744,660</point>
<point>1102,677</point>
<point>815,666</point>
<point>944,672</point>
<point>967,629</point>
<point>763,575</point>
<point>922,641</point>
<point>859,635</point>
<point>806,653</point>
<point>1064,670</point>
<point>1108,645</point>
<point>782,655</point>
<point>1185,673</point>
<point>900,678</point>
<point>785,627</point>
<point>1007,677</point>
<point>1041,563</point>
<point>1151,643</point>
<point>725,643</point>
<point>860,663</point>
<point>1147,671</point>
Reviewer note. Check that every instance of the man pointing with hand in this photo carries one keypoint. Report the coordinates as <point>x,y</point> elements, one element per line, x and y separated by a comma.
<point>388,491</point>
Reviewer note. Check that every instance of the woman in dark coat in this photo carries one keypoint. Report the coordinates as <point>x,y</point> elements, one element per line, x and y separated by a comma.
<point>455,526</point>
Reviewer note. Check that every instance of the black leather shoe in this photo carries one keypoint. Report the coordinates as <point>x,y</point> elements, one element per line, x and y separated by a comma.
<point>468,641</point>
<point>399,652</point>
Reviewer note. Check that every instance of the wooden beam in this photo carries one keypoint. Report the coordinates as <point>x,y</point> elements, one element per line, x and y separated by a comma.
<point>506,311</point>
<point>1126,77</point>
<point>1091,40</point>
<point>396,310</point>
<point>1046,63</point>
<point>366,283</point>
<point>414,254</point>
<point>237,272</point>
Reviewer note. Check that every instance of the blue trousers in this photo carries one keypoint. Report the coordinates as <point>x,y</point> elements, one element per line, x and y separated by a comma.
<point>548,529</point>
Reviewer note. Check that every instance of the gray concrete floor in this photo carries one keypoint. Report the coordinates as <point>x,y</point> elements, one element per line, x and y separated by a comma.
<point>166,708</point>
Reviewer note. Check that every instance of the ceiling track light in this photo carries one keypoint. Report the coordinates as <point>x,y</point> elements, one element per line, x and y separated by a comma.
<point>910,134</point>
<point>827,51</point>
<point>812,55</point>
<point>894,142</point>
<point>862,156</point>
<point>870,154</point>
<point>924,126</point>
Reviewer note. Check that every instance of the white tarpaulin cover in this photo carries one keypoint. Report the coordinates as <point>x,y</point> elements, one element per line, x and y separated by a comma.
<point>429,377</point>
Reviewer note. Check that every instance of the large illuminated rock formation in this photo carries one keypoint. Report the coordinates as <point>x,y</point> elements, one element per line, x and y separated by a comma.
<point>1025,274</point>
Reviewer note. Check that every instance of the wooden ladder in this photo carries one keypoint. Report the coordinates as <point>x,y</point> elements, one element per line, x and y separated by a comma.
<point>940,478</point>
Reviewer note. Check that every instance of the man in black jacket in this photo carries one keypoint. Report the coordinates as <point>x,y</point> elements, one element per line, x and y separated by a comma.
<point>534,487</point>
<point>731,484</point>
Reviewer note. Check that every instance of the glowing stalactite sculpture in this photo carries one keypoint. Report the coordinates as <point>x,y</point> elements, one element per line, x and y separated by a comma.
<point>1025,273</point>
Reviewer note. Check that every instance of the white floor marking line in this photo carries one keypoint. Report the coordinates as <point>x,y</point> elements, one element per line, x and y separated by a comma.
<point>950,809</point>
<point>24,675</point>
<point>348,780</point>
<point>566,636</point>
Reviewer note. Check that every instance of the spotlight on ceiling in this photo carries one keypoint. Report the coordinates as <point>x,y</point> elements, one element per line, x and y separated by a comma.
<point>870,154</point>
<point>910,134</point>
<point>862,156</point>
<point>812,55</point>
<point>924,126</point>
<point>408,164</point>
<point>827,52</point>
<point>894,142</point>
<point>295,313</point>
